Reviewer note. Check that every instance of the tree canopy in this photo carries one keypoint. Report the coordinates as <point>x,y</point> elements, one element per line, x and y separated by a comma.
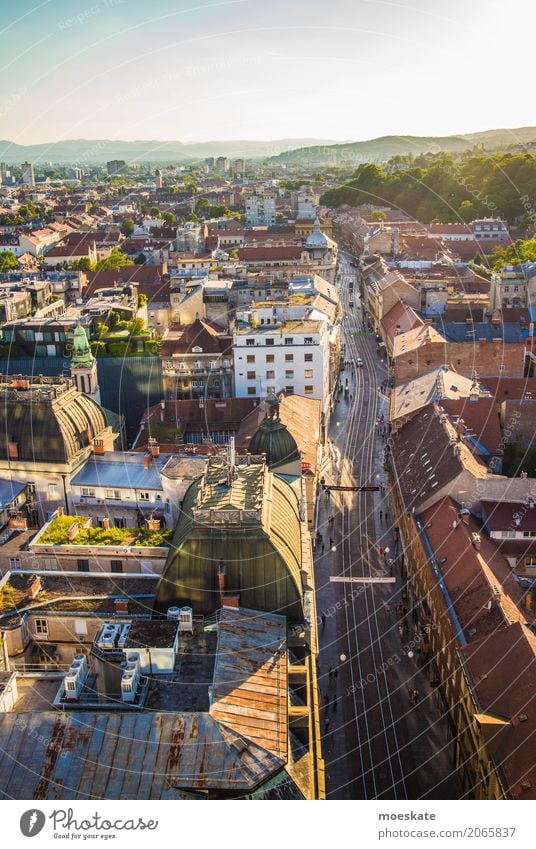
<point>445,189</point>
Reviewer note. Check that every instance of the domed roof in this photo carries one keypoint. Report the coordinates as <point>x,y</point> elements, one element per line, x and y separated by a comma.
<point>47,419</point>
<point>274,439</point>
<point>82,355</point>
<point>316,239</point>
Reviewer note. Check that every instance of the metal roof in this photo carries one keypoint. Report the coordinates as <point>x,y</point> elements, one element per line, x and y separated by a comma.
<point>9,489</point>
<point>96,755</point>
<point>119,470</point>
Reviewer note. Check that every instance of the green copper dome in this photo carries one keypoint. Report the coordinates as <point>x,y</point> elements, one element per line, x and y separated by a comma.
<point>273,439</point>
<point>81,355</point>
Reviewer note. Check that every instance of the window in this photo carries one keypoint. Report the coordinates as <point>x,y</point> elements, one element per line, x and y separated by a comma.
<point>508,534</point>
<point>251,390</point>
<point>53,490</point>
<point>113,493</point>
<point>250,358</point>
<point>251,375</point>
<point>308,340</point>
<point>116,565</point>
<point>270,358</point>
<point>14,563</point>
<point>119,522</point>
<point>41,627</point>
<point>289,373</point>
<point>86,491</point>
<point>289,390</point>
<point>289,358</point>
<point>49,563</point>
<point>270,341</point>
<point>270,375</point>
<point>308,372</point>
<point>529,533</point>
<point>82,565</point>
<point>308,390</point>
<point>289,340</point>
<point>144,496</point>
<point>308,358</point>
<point>250,342</point>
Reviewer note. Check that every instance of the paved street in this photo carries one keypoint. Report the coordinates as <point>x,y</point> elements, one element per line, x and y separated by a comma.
<point>384,737</point>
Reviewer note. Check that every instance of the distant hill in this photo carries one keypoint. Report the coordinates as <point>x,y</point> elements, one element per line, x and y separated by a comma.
<point>386,146</point>
<point>92,151</point>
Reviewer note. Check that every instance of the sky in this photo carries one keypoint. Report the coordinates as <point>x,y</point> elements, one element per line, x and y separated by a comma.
<point>261,69</point>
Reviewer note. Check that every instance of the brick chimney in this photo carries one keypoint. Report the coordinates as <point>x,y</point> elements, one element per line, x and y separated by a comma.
<point>73,530</point>
<point>153,447</point>
<point>121,604</point>
<point>153,524</point>
<point>98,446</point>
<point>13,450</point>
<point>34,586</point>
<point>147,460</point>
<point>106,524</point>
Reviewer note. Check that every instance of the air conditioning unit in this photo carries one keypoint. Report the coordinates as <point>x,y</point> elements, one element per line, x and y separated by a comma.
<point>174,613</point>
<point>186,619</point>
<point>129,684</point>
<point>108,635</point>
<point>123,635</point>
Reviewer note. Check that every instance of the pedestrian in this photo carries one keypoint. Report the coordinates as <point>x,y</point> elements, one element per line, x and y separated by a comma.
<point>322,548</point>
<point>381,515</point>
<point>381,552</point>
<point>326,724</point>
<point>335,703</point>
<point>326,699</point>
<point>335,673</point>
<point>323,621</point>
<point>387,608</point>
<point>331,542</point>
<point>330,674</point>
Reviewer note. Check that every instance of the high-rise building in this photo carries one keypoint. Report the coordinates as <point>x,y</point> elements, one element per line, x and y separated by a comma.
<point>115,166</point>
<point>222,164</point>
<point>28,176</point>
<point>210,162</point>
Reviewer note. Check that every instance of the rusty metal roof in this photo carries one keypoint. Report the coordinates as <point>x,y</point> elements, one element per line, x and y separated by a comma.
<point>95,755</point>
<point>250,689</point>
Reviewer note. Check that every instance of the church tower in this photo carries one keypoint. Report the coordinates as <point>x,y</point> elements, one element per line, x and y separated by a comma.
<point>84,365</point>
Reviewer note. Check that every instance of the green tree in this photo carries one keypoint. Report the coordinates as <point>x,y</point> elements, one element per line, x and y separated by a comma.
<point>115,260</point>
<point>154,212</point>
<point>140,259</point>
<point>379,215</point>
<point>169,217</point>
<point>8,261</point>
<point>142,300</point>
<point>82,264</point>
<point>127,226</point>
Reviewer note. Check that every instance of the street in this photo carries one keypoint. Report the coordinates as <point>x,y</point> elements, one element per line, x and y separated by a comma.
<point>384,737</point>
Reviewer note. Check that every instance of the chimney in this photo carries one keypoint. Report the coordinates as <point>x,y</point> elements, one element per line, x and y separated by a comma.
<point>121,604</point>
<point>73,530</point>
<point>220,574</point>
<point>60,511</point>
<point>476,541</point>
<point>98,446</point>
<point>153,524</point>
<point>13,450</point>
<point>465,517</point>
<point>153,447</point>
<point>231,600</point>
<point>106,524</point>
<point>34,586</point>
<point>147,460</point>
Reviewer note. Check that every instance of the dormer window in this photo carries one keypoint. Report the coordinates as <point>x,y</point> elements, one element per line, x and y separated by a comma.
<point>197,350</point>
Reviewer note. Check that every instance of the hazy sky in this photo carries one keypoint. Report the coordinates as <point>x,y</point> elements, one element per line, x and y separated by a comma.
<point>261,69</point>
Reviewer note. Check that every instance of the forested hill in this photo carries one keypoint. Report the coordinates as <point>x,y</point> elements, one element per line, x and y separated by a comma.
<point>498,185</point>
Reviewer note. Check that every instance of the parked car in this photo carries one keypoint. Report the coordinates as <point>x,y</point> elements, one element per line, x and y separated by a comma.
<point>359,362</point>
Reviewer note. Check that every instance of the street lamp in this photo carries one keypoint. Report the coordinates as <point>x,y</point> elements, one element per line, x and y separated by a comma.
<point>342,658</point>
<point>410,654</point>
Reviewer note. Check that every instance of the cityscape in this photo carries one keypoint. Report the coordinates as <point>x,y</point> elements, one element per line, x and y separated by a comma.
<point>267,446</point>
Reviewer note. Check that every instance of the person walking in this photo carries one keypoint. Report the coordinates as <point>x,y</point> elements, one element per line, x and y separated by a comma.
<point>323,621</point>
<point>335,673</point>
<point>335,703</point>
<point>381,516</point>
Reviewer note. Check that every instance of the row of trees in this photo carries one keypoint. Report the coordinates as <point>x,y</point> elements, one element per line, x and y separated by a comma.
<point>498,185</point>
